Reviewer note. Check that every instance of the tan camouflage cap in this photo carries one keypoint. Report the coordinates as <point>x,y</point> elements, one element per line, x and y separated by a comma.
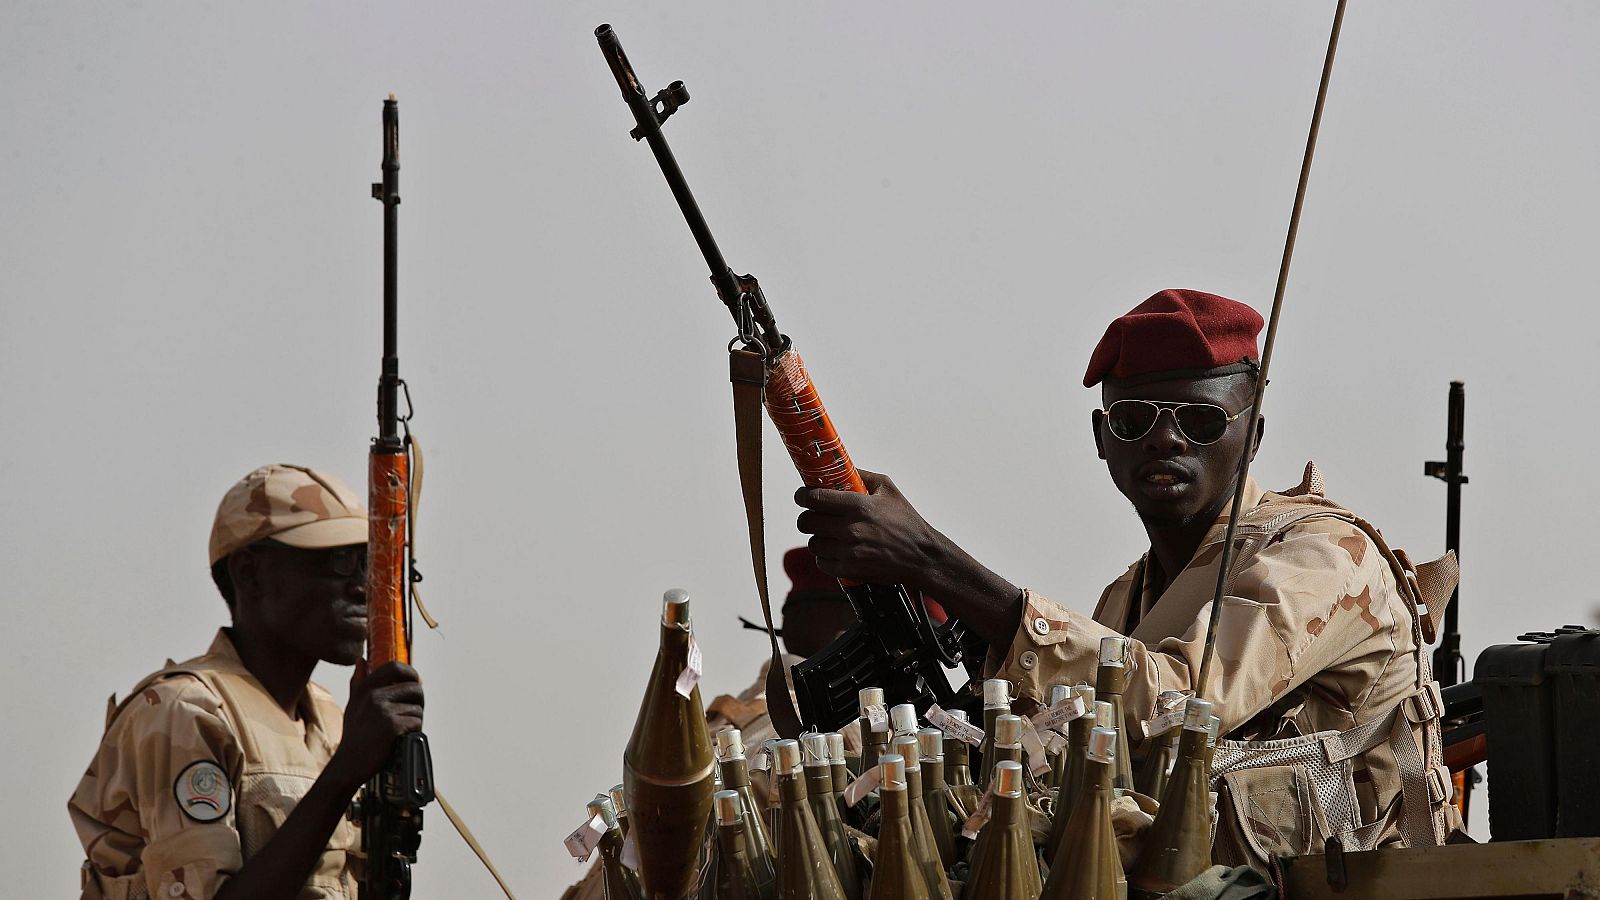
<point>296,505</point>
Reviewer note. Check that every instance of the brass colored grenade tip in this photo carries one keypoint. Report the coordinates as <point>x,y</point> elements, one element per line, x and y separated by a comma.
<point>1213,725</point>
<point>1103,745</point>
<point>1008,730</point>
<point>835,747</point>
<point>909,749</point>
<point>892,771</point>
<point>1008,778</point>
<point>729,809</point>
<point>869,697</point>
<point>930,743</point>
<point>675,607</point>
<point>1059,692</point>
<point>1085,692</point>
<point>619,800</point>
<point>601,806</point>
<point>1197,714</point>
<point>960,715</point>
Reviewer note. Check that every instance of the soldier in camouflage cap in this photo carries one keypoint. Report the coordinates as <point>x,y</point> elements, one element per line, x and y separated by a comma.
<point>1323,626</point>
<point>226,774</point>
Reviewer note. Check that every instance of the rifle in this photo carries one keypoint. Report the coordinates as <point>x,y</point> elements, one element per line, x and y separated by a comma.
<point>390,805</point>
<point>1447,662</point>
<point>896,645</point>
<point>1448,665</point>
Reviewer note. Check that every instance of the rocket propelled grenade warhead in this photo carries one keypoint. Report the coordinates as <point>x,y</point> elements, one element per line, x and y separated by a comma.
<point>617,879</point>
<point>805,871</point>
<point>936,793</point>
<point>1178,846</point>
<point>825,809</point>
<point>924,846</point>
<point>1004,866</point>
<point>734,877</point>
<point>1087,867</point>
<point>668,768</point>
<point>996,703</point>
<point>897,872</point>
<point>1076,760</point>
<point>1110,681</point>
<point>733,772</point>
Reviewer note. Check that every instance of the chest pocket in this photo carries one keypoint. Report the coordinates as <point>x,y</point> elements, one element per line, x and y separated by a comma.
<point>265,800</point>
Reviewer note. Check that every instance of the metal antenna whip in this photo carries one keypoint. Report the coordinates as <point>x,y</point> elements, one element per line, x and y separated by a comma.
<point>1266,360</point>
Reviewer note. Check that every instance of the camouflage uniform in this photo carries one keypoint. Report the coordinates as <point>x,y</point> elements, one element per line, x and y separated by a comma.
<point>135,809</point>
<point>1317,634</point>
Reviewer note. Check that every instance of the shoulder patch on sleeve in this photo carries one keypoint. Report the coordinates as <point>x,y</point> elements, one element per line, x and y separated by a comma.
<point>203,791</point>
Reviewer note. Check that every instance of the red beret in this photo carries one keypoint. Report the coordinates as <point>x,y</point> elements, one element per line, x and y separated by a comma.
<point>802,569</point>
<point>1179,332</point>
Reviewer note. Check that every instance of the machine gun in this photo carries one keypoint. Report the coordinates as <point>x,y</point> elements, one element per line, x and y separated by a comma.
<point>1448,666</point>
<point>896,645</point>
<point>390,805</point>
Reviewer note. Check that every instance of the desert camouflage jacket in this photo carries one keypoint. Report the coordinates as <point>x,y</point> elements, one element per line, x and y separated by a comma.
<point>198,768</point>
<point>1315,635</point>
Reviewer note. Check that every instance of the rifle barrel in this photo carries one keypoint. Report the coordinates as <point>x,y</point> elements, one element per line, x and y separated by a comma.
<point>388,193</point>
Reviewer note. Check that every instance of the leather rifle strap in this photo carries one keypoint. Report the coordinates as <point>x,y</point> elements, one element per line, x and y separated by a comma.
<point>748,373</point>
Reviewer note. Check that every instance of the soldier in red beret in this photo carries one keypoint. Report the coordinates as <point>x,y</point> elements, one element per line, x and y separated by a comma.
<point>1322,628</point>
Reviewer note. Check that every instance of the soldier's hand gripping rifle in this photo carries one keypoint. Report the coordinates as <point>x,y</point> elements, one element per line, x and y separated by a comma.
<point>896,645</point>
<point>390,805</point>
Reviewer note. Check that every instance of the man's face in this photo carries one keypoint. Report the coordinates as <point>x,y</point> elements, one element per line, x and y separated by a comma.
<point>1172,481</point>
<point>312,600</point>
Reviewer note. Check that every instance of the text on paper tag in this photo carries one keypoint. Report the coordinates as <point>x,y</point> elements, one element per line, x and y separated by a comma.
<point>1060,714</point>
<point>965,732</point>
<point>1163,723</point>
<point>878,717</point>
<point>582,842</point>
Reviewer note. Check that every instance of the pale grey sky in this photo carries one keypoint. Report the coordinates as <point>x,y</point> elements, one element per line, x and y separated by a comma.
<point>945,203</point>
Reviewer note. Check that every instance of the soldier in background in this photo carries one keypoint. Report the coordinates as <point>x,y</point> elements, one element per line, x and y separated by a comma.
<point>225,776</point>
<point>1321,629</point>
<point>815,611</point>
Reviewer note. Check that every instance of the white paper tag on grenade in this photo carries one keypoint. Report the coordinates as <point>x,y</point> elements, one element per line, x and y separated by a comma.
<point>1058,715</point>
<point>762,761</point>
<point>1055,743</point>
<point>862,786</point>
<point>965,732</point>
<point>1033,748</point>
<point>1163,723</point>
<point>690,676</point>
<point>979,817</point>
<point>582,842</point>
<point>878,717</point>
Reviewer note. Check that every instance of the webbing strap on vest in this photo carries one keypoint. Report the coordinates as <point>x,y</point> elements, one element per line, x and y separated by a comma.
<point>1423,786</point>
<point>747,371</point>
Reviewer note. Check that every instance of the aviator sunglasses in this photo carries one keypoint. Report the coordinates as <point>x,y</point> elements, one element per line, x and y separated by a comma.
<point>1200,423</point>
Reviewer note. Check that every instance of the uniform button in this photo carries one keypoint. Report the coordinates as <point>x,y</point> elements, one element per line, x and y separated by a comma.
<point>1028,659</point>
<point>1040,626</point>
<point>176,889</point>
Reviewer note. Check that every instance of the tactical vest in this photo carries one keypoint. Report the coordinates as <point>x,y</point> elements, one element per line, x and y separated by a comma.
<point>1288,797</point>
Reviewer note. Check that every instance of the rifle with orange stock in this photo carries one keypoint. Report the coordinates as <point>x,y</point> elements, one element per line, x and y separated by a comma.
<point>896,645</point>
<point>389,807</point>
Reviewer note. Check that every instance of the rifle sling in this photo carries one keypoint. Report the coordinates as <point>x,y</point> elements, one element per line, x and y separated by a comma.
<point>748,373</point>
